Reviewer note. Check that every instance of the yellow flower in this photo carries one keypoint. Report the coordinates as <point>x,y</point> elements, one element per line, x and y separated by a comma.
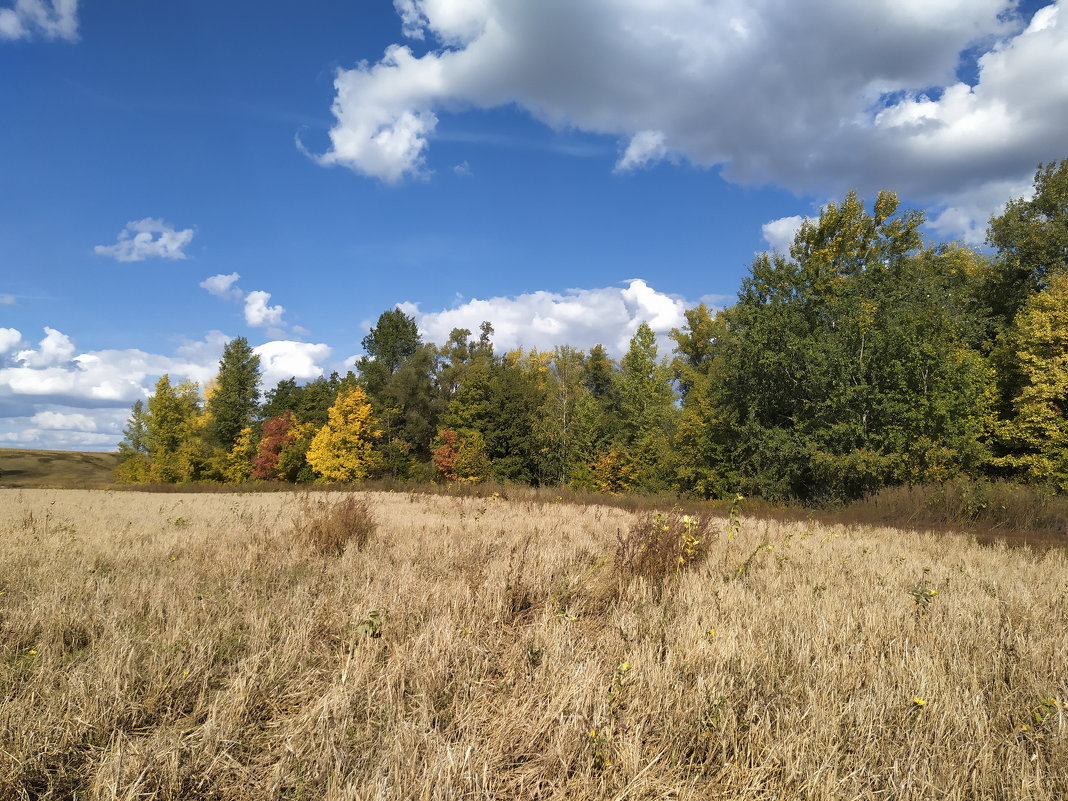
<point>917,701</point>
<point>33,652</point>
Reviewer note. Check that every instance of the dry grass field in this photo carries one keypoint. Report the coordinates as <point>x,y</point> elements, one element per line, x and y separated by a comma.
<point>193,647</point>
<point>31,468</point>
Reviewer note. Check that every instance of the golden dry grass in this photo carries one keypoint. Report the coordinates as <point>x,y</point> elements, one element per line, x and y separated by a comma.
<point>184,647</point>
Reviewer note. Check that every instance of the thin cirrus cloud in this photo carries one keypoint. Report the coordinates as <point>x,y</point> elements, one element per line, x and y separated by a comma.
<point>49,19</point>
<point>150,238</point>
<point>578,317</point>
<point>816,97</point>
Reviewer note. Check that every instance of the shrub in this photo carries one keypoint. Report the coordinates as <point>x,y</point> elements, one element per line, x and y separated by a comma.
<point>661,545</point>
<point>328,527</point>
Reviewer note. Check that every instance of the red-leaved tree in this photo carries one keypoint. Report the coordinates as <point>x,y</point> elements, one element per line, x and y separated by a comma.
<point>276,433</point>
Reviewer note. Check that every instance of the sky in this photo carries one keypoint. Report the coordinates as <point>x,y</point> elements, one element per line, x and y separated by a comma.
<point>173,175</point>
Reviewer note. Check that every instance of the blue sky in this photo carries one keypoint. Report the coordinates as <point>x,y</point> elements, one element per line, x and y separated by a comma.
<point>562,169</point>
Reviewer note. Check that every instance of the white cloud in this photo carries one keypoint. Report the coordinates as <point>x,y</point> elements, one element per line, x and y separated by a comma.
<point>52,19</point>
<point>260,315</point>
<point>7,300</point>
<point>58,421</point>
<point>287,359</point>
<point>645,148</point>
<point>223,286</point>
<point>816,97</point>
<point>779,234</point>
<point>9,339</point>
<point>55,349</point>
<point>55,396</point>
<point>55,372</point>
<point>579,317</point>
<point>258,311</point>
<point>149,238</point>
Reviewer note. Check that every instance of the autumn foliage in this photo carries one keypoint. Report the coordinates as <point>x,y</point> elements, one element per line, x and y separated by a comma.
<point>276,435</point>
<point>864,358</point>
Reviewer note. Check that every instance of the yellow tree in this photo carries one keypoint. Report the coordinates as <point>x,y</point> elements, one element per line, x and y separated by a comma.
<point>239,459</point>
<point>1036,437</point>
<point>343,450</point>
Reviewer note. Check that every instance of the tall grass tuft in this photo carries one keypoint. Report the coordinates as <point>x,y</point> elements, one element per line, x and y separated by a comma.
<point>329,526</point>
<point>659,545</point>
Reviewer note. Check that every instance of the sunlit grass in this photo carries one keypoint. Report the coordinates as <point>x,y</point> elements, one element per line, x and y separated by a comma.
<point>189,646</point>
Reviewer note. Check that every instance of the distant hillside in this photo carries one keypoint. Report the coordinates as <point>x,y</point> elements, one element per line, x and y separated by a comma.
<point>26,468</point>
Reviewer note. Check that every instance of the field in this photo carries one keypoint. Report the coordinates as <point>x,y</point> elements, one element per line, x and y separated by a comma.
<point>29,468</point>
<point>173,646</point>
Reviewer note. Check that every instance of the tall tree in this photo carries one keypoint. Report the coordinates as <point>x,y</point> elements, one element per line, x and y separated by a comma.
<point>171,430</point>
<point>1031,238</point>
<point>407,410</point>
<point>647,409</point>
<point>389,345</point>
<point>232,404</point>
<point>1035,437</point>
<point>133,450</point>
<point>850,364</point>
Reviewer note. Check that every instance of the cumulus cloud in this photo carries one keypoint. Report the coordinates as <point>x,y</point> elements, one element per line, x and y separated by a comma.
<point>50,19</point>
<point>816,97</point>
<point>55,372</point>
<point>56,348</point>
<point>223,286</point>
<point>149,238</point>
<point>57,396</point>
<point>258,313</point>
<point>779,234</point>
<point>9,339</point>
<point>579,317</point>
<point>287,359</point>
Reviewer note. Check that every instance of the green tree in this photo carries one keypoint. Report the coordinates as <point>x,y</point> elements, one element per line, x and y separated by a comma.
<point>647,409</point>
<point>392,342</point>
<point>1031,239</point>
<point>171,430</point>
<point>309,402</point>
<point>851,364</point>
<point>235,394</point>
<point>398,374</point>
<point>700,461</point>
<point>133,450</point>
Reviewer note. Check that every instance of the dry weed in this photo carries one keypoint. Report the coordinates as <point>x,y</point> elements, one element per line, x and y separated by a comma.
<point>328,525</point>
<point>660,545</point>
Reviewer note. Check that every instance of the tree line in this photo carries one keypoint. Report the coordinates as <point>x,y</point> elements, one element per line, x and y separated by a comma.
<point>865,357</point>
